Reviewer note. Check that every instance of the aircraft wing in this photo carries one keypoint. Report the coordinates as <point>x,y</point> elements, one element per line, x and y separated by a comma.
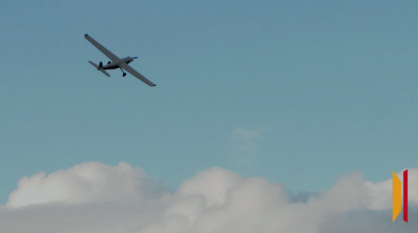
<point>102,49</point>
<point>136,74</point>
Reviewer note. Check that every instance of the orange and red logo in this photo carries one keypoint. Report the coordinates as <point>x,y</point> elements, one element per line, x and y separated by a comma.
<point>397,193</point>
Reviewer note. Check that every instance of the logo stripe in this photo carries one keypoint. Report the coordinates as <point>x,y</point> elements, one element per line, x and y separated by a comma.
<point>396,198</point>
<point>405,195</point>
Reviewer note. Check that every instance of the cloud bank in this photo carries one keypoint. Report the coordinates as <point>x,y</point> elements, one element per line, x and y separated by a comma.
<point>93,197</point>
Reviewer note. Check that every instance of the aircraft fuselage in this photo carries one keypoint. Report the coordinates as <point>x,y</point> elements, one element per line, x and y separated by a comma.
<point>115,64</point>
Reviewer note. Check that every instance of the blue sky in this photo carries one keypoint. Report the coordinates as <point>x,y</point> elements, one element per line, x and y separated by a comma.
<point>298,92</point>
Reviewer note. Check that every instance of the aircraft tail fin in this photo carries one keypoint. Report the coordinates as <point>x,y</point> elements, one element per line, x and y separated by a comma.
<point>100,67</point>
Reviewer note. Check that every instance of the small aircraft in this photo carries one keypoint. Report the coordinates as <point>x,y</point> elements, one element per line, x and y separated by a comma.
<point>116,63</point>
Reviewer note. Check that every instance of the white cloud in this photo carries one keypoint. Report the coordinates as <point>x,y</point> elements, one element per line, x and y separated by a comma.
<point>242,134</point>
<point>381,193</point>
<point>93,197</point>
<point>244,145</point>
<point>82,183</point>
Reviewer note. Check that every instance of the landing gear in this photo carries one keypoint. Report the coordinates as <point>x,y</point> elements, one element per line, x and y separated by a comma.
<point>124,74</point>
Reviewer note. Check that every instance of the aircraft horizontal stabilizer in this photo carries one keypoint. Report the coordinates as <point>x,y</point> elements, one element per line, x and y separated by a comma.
<point>100,68</point>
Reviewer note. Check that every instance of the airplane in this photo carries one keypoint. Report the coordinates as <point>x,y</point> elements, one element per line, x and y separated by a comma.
<point>116,63</point>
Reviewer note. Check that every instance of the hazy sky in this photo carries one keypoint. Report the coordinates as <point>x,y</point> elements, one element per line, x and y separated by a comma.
<point>296,92</point>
